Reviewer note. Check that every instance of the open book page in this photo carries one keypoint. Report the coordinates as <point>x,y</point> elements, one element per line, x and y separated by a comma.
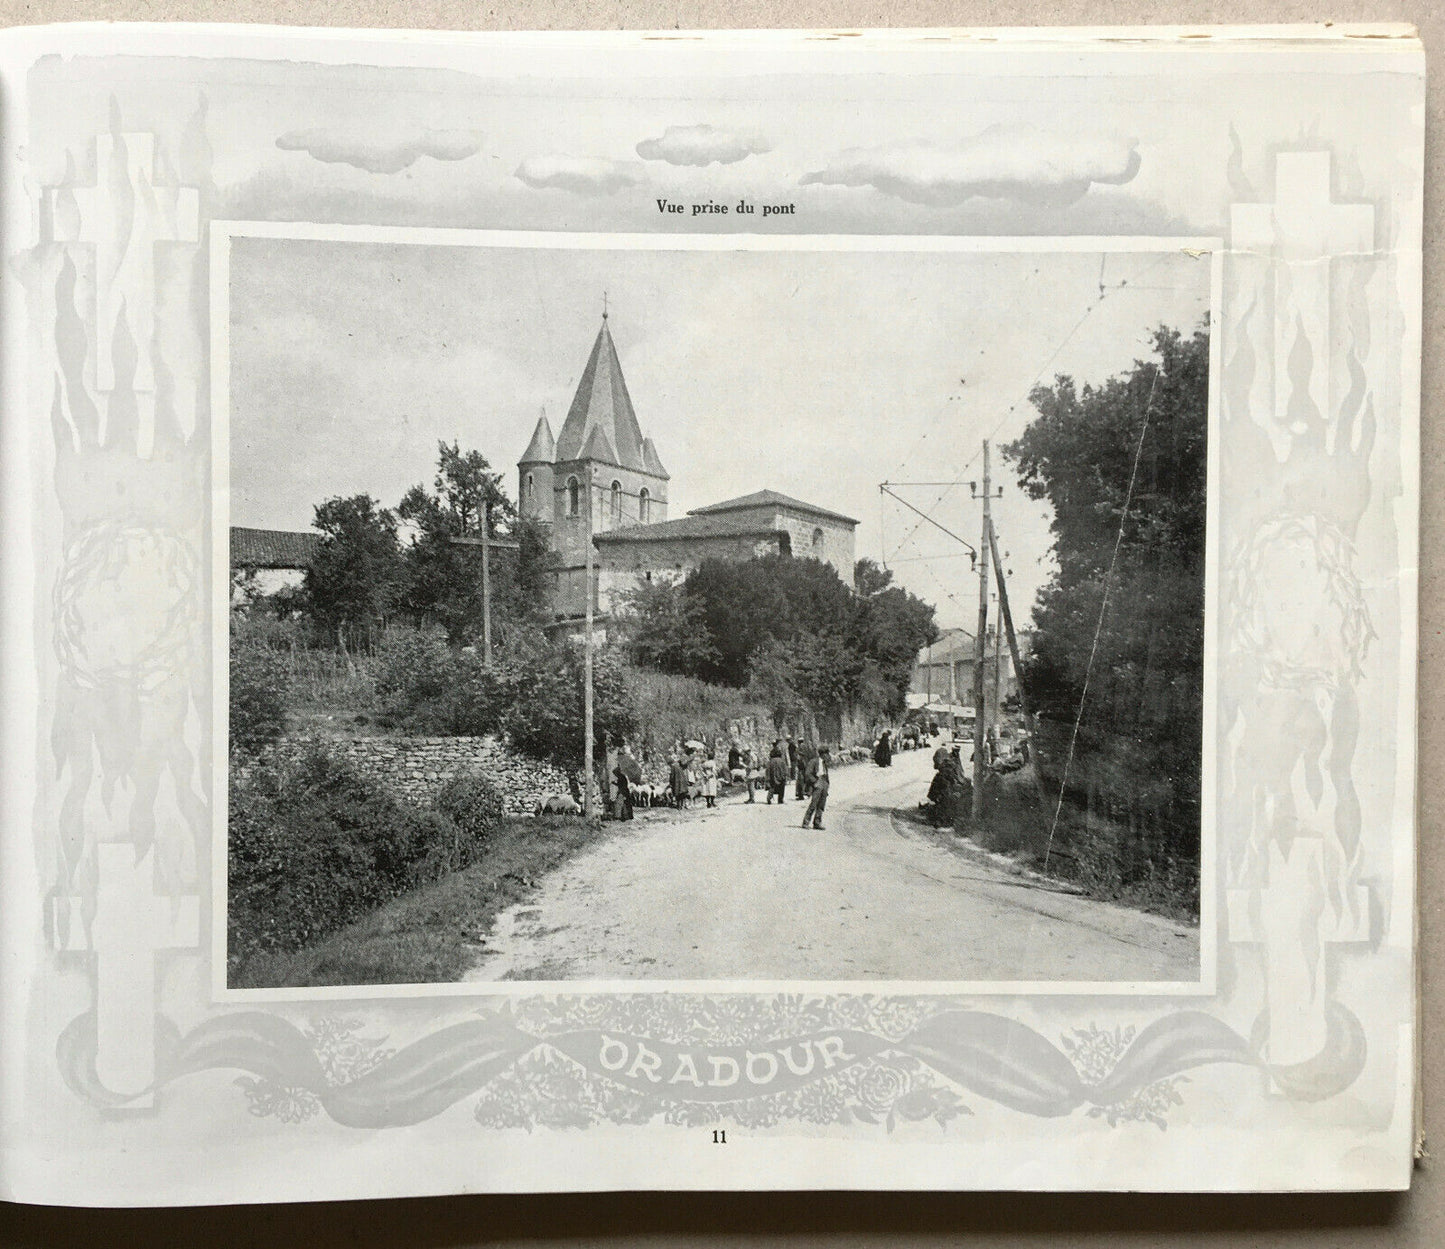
<point>741,611</point>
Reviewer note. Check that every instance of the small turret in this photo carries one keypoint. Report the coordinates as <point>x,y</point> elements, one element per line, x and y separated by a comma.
<point>534,473</point>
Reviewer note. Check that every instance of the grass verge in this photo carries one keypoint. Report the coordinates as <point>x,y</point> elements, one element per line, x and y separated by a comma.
<point>1086,851</point>
<point>428,936</point>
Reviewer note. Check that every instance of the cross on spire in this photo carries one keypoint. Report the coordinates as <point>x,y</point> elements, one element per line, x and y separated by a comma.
<point>604,305</point>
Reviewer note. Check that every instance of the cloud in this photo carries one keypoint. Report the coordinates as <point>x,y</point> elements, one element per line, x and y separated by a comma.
<point>703,145</point>
<point>585,175</point>
<point>380,153</point>
<point>1048,170</point>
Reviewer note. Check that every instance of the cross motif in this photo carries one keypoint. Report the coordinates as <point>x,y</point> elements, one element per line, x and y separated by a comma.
<point>1298,235</point>
<point>1293,920</point>
<point>124,216</point>
<point>132,923</point>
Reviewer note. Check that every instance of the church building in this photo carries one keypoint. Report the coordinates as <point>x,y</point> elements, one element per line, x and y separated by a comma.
<point>601,480</point>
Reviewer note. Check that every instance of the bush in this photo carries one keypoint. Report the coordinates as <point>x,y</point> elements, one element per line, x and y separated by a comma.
<point>314,845</point>
<point>427,687</point>
<point>474,805</point>
<point>258,699</point>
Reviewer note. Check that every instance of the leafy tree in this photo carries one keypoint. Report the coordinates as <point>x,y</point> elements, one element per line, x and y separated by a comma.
<point>443,580</point>
<point>789,628</point>
<point>356,572</point>
<point>869,578</point>
<point>663,628</point>
<point>743,605</point>
<point>1142,721</point>
<point>258,690</point>
<point>895,626</point>
<point>546,717</point>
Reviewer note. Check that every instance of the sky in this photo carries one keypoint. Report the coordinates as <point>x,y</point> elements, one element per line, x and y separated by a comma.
<point>818,374</point>
<point>820,380</point>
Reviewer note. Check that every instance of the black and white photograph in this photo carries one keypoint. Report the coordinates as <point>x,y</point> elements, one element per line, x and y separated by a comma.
<point>661,613</point>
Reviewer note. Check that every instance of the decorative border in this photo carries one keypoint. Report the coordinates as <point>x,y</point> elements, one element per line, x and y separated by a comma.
<point>570,1063</point>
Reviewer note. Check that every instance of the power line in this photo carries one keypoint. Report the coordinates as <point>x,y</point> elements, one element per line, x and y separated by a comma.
<point>1104,292</point>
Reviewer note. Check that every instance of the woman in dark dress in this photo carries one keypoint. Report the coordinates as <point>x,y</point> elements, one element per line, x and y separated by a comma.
<point>883,752</point>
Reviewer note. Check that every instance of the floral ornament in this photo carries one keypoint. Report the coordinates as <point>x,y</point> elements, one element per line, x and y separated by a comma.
<point>1096,1052</point>
<point>271,1101</point>
<point>343,1057</point>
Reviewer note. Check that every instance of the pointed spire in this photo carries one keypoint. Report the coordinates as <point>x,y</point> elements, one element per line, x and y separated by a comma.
<point>543,446</point>
<point>598,447</point>
<point>602,402</point>
<point>651,460</point>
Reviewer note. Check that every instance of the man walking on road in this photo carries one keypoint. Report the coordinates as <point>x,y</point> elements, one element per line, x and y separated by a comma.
<point>818,768</point>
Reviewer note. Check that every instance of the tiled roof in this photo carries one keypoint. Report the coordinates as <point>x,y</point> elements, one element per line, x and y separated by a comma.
<point>272,548</point>
<point>690,527</point>
<point>769,498</point>
<point>602,402</point>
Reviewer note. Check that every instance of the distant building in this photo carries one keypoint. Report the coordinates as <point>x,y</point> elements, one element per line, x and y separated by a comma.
<point>602,443</point>
<point>943,672</point>
<point>270,559</point>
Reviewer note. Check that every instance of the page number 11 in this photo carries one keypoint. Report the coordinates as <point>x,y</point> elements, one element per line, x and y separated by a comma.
<point>719,1136</point>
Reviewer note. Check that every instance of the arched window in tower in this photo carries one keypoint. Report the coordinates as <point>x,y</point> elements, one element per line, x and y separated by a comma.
<point>574,497</point>
<point>817,538</point>
<point>644,501</point>
<point>529,492</point>
<point>616,504</point>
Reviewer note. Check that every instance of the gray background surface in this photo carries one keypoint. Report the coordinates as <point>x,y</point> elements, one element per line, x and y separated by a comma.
<point>1413,1219</point>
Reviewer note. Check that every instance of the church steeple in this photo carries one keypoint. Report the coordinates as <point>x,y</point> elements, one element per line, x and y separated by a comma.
<point>602,403</point>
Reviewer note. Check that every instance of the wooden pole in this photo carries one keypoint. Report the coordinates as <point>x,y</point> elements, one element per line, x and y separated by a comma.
<point>589,805</point>
<point>486,585</point>
<point>979,651</point>
<point>997,671</point>
<point>1013,648</point>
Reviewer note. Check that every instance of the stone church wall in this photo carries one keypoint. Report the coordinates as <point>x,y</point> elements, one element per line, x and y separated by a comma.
<point>620,566</point>
<point>836,546</point>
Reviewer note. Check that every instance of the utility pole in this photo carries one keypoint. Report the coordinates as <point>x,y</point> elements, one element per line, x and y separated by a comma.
<point>1013,647</point>
<point>980,643</point>
<point>589,802</point>
<point>997,666</point>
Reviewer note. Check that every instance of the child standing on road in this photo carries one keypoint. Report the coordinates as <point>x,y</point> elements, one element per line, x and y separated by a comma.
<point>709,780</point>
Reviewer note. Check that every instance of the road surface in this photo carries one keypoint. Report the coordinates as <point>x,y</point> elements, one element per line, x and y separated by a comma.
<point>743,893</point>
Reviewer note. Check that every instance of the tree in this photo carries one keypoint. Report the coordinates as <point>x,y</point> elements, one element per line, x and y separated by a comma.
<point>789,628</point>
<point>870,579</point>
<point>443,581</point>
<point>1143,716</point>
<point>663,628</point>
<point>356,572</point>
<point>896,625</point>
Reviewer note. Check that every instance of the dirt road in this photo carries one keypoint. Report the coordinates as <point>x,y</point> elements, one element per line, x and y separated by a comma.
<point>742,892</point>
